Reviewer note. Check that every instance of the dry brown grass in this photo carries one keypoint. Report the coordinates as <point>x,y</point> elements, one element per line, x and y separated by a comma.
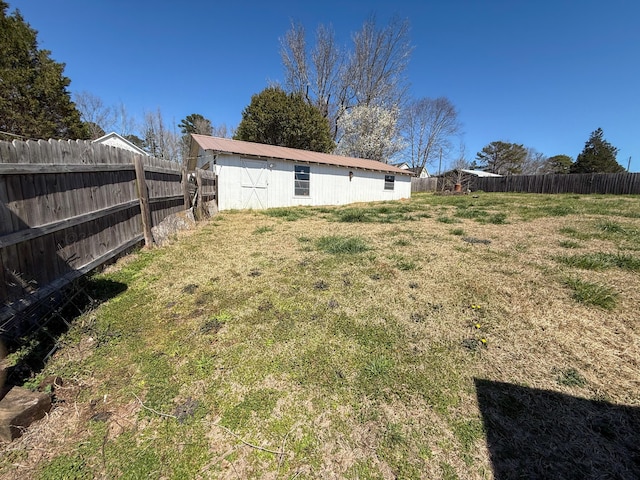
<point>356,366</point>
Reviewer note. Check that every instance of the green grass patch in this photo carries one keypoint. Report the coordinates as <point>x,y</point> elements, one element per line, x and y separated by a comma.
<point>595,294</point>
<point>601,261</point>
<point>341,245</point>
<point>569,377</point>
<point>497,219</point>
<point>569,244</point>
<point>288,214</point>
<point>457,231</point>
<point>263,229</point>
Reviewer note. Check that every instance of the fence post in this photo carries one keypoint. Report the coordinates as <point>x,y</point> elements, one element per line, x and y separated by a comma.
<point>185,188</point>
<point>199,213</point>
<point>143,196</point>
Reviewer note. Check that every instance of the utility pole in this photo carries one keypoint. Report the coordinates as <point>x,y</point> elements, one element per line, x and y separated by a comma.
<point>628,164</point>
<point>440,163</point>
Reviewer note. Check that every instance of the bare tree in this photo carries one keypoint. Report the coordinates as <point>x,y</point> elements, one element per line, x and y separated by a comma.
<point>336,80</point>
<point>429,125</point>
<point>98,117</point>
<point>124,123</point>
<point>534,163</point>
<point>160,141</point>
<point>375,72</point>
<point>460,162</point>
<point>317,75</point>
<point>293,51</point>
<point>223,131</point>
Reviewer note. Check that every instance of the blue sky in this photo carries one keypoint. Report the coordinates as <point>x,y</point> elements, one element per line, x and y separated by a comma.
<point>542,73</point>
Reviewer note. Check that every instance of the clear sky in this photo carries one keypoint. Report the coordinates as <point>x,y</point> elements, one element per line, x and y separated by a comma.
<point>542,73</point>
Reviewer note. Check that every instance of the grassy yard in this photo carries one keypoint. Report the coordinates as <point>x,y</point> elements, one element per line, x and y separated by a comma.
<point>469,337</point>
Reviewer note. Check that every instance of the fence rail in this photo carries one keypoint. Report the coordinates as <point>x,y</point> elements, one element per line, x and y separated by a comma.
<point>585,183</point>
<point>66,207</point>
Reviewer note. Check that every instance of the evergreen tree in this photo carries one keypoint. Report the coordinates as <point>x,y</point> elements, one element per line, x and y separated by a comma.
<point>34,101</point>
<point>598,156</point>
<point>195,123</point>
<point>502,158</point>
<point>558,164</point>
<point>276,118</point>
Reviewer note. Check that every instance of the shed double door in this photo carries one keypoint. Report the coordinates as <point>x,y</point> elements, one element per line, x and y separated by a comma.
<point>254,183</point>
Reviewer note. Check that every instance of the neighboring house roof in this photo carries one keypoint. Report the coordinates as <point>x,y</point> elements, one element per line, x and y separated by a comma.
<point>114,140</point>
<point>402,165</point>
<point>417,171</point>
<point>238,147</point>
<point>480,173</point>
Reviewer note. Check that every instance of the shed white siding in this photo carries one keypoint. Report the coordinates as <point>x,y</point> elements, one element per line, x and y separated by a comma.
<point>255,183</point>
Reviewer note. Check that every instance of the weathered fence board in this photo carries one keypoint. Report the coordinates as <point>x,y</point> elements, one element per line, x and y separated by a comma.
<point>424,184</point>
<point>66,207</point>
<point>585,183</point>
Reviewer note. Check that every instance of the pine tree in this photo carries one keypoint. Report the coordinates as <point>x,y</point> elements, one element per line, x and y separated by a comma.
<point>598,156</point>
<point>502,158</point>
<point>34,101</point>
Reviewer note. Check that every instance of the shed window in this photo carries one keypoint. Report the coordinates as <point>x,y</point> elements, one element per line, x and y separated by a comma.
<point>389,180</point>
<point>302,175</point>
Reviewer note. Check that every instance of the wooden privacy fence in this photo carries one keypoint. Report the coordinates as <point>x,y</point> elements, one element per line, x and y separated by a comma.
<point>67,207</point>
<point>424,184</point>
<point>603,183</point>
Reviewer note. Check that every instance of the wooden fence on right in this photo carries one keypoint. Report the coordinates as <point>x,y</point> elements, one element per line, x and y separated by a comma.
<point>585,183</point>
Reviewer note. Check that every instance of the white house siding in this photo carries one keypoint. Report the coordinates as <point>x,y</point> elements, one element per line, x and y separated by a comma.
<point>251,183</point>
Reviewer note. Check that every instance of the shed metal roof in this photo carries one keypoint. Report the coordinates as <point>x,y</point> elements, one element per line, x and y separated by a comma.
<point>238,147</point>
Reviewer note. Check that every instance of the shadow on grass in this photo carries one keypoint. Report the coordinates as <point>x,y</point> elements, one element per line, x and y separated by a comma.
<point>40,341</point>
<point>539,434</point>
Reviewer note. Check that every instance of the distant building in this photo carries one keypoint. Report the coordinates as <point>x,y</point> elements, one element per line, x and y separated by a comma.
<point>463,177</point>
<point>417,171</point>
<point>114,140</point>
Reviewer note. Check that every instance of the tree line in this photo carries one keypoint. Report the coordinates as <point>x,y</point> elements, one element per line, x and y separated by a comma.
<point>350,100</point>
<point>503,158</point>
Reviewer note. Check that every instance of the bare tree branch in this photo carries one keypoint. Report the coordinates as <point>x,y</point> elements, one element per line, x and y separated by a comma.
<point>429,125</point>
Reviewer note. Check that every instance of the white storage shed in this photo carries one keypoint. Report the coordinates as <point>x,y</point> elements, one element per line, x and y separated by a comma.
<point>258,176</point>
